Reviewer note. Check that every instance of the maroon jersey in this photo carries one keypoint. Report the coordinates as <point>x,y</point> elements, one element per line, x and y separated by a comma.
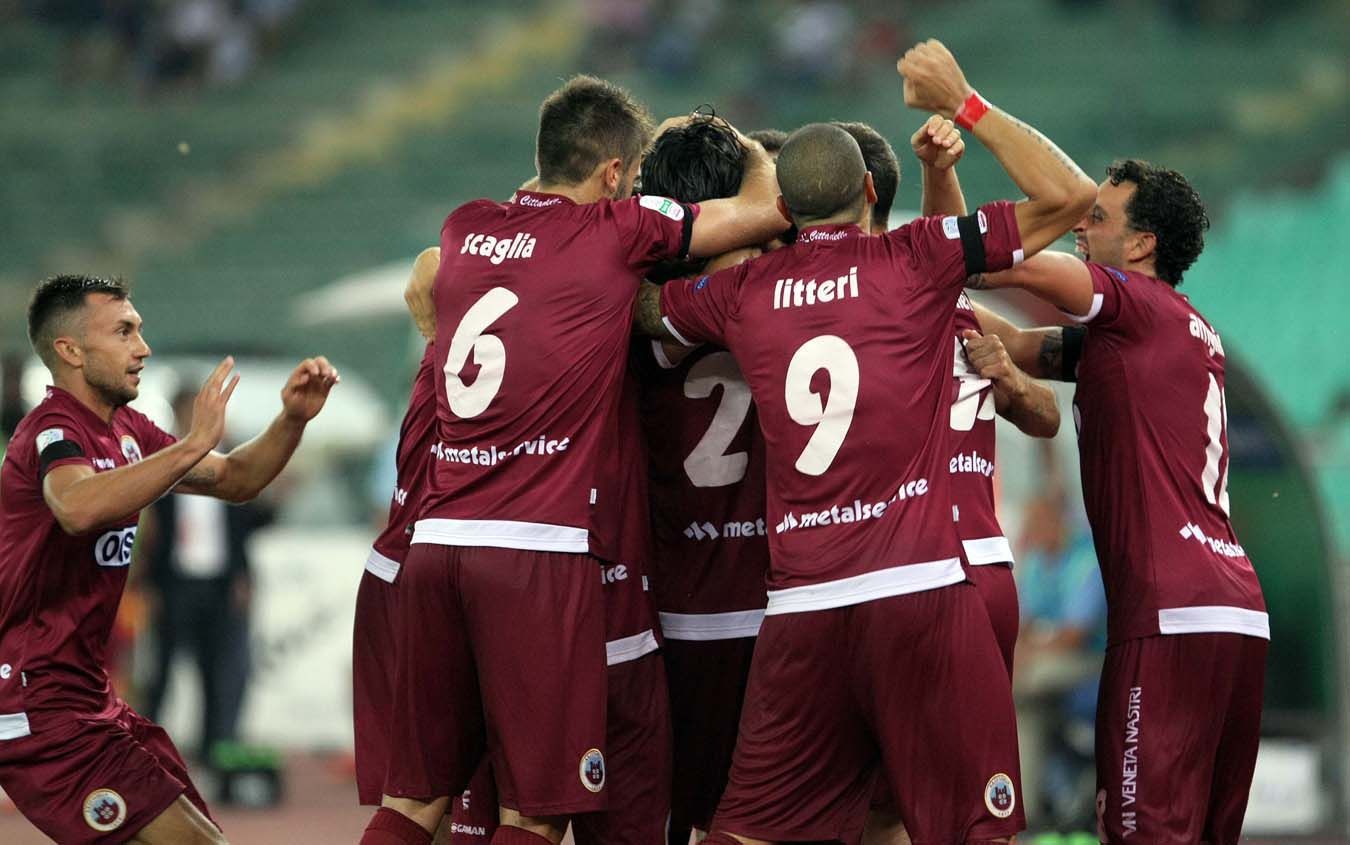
<point>412,462</point>
<point>972,463</point>
<point>624,545</point>
<point>845,341</point>
<point>59,593</point>
<point>711,551</point>
<point>534,305</point>
<point>1153,438</point>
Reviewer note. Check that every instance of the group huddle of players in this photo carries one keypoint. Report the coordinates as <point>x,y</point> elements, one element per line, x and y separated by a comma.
<point>694,523</point>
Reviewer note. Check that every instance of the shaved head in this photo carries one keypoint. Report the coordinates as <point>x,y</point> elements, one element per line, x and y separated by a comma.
<point>821,173</point>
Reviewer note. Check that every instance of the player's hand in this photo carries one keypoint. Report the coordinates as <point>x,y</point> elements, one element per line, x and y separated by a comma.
<point>307,388</point>
<point>938,143</point>
<point>933,80</point>
<point>991,360</point>
<point>208,409</point>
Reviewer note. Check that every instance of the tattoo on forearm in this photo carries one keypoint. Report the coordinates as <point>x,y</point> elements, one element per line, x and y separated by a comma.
<point>199,476</point>
<point>977,282</point>
<point>1069,164</point>
<point>1051,357</point>
<point>647,314</point>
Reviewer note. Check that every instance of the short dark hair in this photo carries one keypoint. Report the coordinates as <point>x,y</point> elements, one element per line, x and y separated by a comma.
<point>771,139</point>
<point>585,122</point>
<point>820,172</point>
<point>1166,205</point>
<point>881,162</point>
<point>58,298</point>
<point>699,161</point>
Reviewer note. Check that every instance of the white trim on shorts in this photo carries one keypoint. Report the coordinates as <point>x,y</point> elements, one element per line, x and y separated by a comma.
<point>502,534</point>
<point>869,586</point>
<point>14,726</point>
<point>384,568</point>
<point>983,551</point>
<point>631,648</point>
<point>703,627</point>
<point>1215,619</point>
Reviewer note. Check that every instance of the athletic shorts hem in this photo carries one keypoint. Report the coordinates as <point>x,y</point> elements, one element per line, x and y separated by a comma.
<point>560,808</point>
<point>126,833</point>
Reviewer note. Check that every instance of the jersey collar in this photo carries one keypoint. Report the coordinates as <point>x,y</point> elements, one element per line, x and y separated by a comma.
<point>67,399</point>
<point>534,199</point>
<point>829,233</point>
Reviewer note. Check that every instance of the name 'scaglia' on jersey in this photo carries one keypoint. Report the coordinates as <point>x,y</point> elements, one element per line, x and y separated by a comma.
<point>845,341</point>
<point>534,300</point>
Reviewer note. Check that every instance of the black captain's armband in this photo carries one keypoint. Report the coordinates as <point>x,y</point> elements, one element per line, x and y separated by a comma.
<point>972,245</point>
<point>58,451</point>
<point>1073,351</point>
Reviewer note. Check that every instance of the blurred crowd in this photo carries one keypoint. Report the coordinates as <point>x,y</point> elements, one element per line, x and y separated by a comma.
<point>166,44</point>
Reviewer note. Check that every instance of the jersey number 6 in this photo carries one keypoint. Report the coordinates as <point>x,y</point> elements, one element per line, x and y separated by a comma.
<point>489,353</point>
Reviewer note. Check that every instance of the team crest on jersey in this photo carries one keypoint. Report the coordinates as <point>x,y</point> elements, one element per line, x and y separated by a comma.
<point>999,796</point>
<point>670,208</point>
<point>131,450</point>
<point>104,810</point>
<point>593,770</point>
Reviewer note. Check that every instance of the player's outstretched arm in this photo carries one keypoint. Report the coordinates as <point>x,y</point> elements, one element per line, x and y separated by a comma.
<point>748,219</point>
<point>418,293</point>
<point>938,146</point>
<point>247,469</point>
<point>1038,352</point>
<point>1020,399</point>
<point>1058,192</point>
<point>82,500</point>
<point>1059,278</point>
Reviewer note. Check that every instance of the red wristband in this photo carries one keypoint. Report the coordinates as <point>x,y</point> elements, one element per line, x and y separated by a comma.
<point>974,108</point>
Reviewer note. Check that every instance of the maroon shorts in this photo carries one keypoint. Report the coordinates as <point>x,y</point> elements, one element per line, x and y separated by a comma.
<point>996,586</point>
<point>97,779</point>
<point>914,680</point>
<point>707,685</point>
<point>372,684</point>
<point>639,758</point>
<point>503,650</point>
<point>1178,725</point>
<point>474,816</point>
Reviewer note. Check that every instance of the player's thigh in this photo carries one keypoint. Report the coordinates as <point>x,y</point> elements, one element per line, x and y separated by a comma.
<point>804,764</point>
<point>1235,759</point>
<point>639,758</point>
<point>1157,736</point>
<point>436,735</point>
<point>536,623</point>
<point>87,781</point>
<point>373,653</point>
<point>181,823</point>
<point>942,708</point>
<point>707,681</point>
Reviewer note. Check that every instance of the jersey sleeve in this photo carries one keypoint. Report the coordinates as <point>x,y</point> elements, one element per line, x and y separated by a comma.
<point>653,229</point>
<point>59,441</point>
<point>948,250</point>
<point>1113,300</point>
<point>697,310</point>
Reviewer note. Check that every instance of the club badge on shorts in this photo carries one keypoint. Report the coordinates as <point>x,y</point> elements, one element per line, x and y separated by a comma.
<point>999,796</point>
<point>593,770</point>
<point>104,810</point>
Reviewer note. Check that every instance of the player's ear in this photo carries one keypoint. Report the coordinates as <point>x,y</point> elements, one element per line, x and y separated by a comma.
<point>1141,246</point>
<point>612,175</point>
<point>783,209</point>
<point>68,349</point>
<point>870,189</point>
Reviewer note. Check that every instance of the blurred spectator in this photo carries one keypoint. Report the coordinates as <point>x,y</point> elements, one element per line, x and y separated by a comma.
<point>1059,657</point>
<point>201,588</point>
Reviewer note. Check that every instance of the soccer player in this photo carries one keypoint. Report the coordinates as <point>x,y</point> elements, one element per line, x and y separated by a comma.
<point>502,634</point>
<point>76,760</point>
<point>1179,712</point>
<point>372,640</point>
<point>771,139</point>
<point>711,550</point>
<point>874,648</point>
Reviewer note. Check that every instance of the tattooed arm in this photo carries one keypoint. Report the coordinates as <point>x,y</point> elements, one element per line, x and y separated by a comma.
<point>1058,192</point>
<point>647,313</point>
